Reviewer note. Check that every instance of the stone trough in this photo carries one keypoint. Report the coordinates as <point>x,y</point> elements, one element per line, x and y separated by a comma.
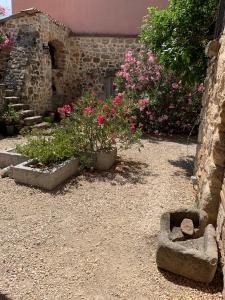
<point>48,179</point>
<point>192,254</point>
<point>11,158</point>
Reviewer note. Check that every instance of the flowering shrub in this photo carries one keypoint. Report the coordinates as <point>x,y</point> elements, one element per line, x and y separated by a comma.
<point>94,125</point>
<point>104,123</point>
<point>5,41</point>
<point>172,108</point>
<point>139,73</point>
<point>165,103</point>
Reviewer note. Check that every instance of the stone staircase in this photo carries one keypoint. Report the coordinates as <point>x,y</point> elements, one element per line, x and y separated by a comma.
<point>14,76</point>
<point>29,119</point>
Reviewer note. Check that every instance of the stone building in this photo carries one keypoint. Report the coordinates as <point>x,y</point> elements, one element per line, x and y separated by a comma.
<point>47,64</point>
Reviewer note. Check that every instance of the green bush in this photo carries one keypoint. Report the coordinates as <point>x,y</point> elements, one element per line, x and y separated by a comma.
<point>49,150</point>
<point>178,35</point>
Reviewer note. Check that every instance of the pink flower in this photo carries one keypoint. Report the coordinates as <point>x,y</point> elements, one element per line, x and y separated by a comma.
<point>175,86</point>
<point>201,88</point>
<point>113,110</point>
<point>2,10</point>
<point>64,109</point>
<point>132,119</point>
<point>89,110</point>
<point>143,103</point>
<point>117,100</point>
<point>142,78</point>
<point>5,43</point>
<point>140,125</point>
<point>172,106</point>
<point>151,57</point>
<point>100,119</point>
<point>132,127</point>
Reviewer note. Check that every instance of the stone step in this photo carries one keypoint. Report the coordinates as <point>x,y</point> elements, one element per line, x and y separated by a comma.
<point>26,113</point>
<point>9,93</point>
<point>42,125</point>
<point>32,120</point>
<point>12,100</point>
<point>19,106</point>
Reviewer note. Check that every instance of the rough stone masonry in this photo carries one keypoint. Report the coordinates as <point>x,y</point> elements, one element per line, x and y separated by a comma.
<point>210,158</point>
<point>48,64</point>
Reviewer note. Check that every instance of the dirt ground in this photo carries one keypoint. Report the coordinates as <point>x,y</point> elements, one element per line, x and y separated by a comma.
<point>96,236</point>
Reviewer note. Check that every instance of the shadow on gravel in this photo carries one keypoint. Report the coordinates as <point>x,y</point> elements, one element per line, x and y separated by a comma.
<point>179,139</point>
<point>186,166</point>
<point>4,297</point>
<point>124,172</point>
<point>216,286</point>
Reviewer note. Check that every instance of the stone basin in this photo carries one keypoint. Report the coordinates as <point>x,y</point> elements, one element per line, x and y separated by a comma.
<point>11,158</point>
<point>193,257</point>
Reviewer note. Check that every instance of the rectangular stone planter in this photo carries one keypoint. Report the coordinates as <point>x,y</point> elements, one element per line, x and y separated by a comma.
<point>11,158</point>
<point>196,257</point>
<point>47,179</point>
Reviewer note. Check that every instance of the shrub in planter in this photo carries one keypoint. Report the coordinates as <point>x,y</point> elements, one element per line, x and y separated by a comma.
<point>103,125</point>
<point>11,118</point>
<point>48,151</point>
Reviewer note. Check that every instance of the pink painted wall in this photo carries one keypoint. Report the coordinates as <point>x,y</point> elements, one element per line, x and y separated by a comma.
<point>94,16</point>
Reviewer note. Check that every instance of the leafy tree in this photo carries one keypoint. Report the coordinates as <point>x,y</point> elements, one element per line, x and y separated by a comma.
<point>178,35</point>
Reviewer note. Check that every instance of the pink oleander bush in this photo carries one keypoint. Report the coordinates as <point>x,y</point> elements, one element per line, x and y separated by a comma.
<point>166,104</point>
<point>5,41</point>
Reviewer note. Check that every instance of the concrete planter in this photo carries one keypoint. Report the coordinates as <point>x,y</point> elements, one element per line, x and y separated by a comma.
<point>104,160</point>
<point>196,257</point>
<point>11,158</point>
<point>47,179</point>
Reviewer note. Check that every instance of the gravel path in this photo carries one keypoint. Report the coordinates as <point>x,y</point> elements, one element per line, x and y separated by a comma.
<point>96,237</point>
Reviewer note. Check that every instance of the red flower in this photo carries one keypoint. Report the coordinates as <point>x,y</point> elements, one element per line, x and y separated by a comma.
<point>117,100</point>
<point>132,119</point>
<point>64,109</point>
<point>113,110</point>
<point>89,110</point>
<point>132,127</point>
<point>100,119</point>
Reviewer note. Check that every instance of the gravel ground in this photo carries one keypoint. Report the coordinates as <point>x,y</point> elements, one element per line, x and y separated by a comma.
<point>96,236</point>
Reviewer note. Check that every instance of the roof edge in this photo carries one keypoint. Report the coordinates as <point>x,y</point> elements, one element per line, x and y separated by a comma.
<point>30,12</point>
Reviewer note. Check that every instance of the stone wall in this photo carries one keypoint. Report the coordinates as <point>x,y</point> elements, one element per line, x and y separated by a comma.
<point>94,59</point>
<point>210,159</point>
<point>80,63</point>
